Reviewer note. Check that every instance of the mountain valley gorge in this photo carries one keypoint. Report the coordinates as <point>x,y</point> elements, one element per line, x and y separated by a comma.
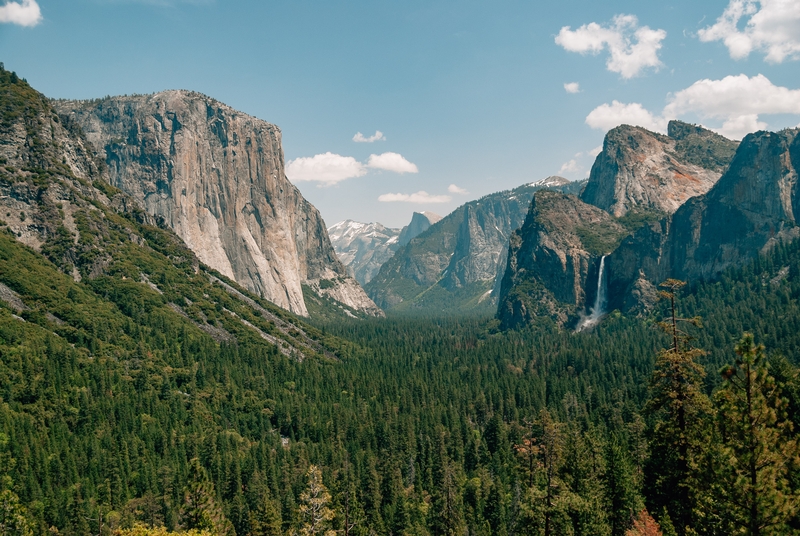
<point>186,349</point>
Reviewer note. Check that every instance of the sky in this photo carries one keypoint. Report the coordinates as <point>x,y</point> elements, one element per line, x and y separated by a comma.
<point>390,107</point>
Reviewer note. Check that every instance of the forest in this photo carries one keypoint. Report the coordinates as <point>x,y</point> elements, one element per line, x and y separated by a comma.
<point>132,421</point>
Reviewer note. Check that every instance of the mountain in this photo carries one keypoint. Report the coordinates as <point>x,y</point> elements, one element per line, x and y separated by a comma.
<point>637,179</point>
<point>647,170</point>
<point>453,266</point>
<point>551,257</point>
<point>216,177</point>
<point>753,207</point>
<point>363,247</point>
<point>420,222</point>
<point>82,265</point>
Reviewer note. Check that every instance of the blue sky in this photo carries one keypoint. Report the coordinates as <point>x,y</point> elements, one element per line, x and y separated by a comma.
<point>469,96</point>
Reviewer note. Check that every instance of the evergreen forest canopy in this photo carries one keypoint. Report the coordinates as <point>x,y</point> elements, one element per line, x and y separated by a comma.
<point>427,426</point>
<point>158,397</point>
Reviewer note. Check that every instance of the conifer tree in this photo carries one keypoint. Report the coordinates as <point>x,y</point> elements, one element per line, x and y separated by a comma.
<point>13,521</point>
<point>446,507</point>
<point>200,507</point>
<point>265,519</point>
<point>315,511</point>
<point>680,410</point>
<point>758,447</point>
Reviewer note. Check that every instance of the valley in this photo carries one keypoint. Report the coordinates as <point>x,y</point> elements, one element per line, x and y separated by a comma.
<point>187,348</point>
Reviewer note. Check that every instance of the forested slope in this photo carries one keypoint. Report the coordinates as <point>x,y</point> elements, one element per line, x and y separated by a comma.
<point>415,412</point>
<point>137,386</point>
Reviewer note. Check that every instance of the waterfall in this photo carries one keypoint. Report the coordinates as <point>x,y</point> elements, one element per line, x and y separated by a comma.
<point>599,300</point>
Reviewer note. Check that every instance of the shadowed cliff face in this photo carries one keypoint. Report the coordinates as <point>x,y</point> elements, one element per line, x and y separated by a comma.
<point>456,265</point>
<point>216,177</point>
<point>639,168</point>
<point>752,207</point>
<point>551,257</point>
<point>420,222</point>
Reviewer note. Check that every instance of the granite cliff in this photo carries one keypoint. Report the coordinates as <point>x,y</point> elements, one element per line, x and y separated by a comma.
<point>96,267</point>
<point>639,168</point>
<point>420,222</point>
<point>638,178</point>
<point>455,265</point>
<point>552,256</point>
<point>752,207</point>
<point>216,177</point>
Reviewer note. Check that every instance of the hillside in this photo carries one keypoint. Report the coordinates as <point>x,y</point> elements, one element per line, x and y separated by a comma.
<point>215,176</point>
<point>453,267</point>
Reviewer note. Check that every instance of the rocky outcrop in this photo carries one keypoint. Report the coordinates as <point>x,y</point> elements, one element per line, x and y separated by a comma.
<point>216,177</point>
<point>420,222</point>
<point>752,207</point>
<point>363,247</point>
<point>551,258</point>
<point>456,264</point>
<point>639,168</point>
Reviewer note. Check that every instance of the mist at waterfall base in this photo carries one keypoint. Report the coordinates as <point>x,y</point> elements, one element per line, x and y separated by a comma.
<point>596,313</point>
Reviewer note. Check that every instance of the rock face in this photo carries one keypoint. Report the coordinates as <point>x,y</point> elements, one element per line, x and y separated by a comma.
<point>454,265</point>
<point>550,259</point>
<point>216,177</point>
<point>639,168</point>
<point>47,172</point>
<point>753,206</point>
<point>420,222</point>
<point>363,247</point>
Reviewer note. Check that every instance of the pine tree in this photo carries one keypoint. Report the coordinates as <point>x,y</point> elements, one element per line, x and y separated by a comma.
<point>315,512</point>
<point>758,447</point>
<point>200,507</point>
<point>265,519</point>
<point>446,512</point>
<point>551,456</point>
<point>13,521</point>
<point>680,409</point>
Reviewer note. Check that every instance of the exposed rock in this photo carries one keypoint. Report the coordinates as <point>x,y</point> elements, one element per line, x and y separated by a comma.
<point>550,259</point>
<point>751,208</point>
<point>216,177</point>
<point>363,247</point>
<point>639,168</point>
<point>420,222</point>
<point>454,266</point>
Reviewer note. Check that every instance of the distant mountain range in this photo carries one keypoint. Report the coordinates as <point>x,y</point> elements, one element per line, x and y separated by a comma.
<point>453,266</point>
<point>364,247</point>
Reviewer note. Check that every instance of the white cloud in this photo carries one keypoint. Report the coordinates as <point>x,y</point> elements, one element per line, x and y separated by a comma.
<point>569,167</point>
<point>326,169</point>
<point>453,189</point>
<point>378,136</point>
<point>631,48</point>
<point>734,96</point>
<point>736,101</point>
<point>421,197</point>
<point>25,13</point>
<point>596,151</point>
<point>608,116</point>
<point>572,87</point>
<point>391,162</point>
<point>773,27</point>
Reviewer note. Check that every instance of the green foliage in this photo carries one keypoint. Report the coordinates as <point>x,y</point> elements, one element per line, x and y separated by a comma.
<point>599,239</point>
<point>757,446</point>
<point>638,217</point>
